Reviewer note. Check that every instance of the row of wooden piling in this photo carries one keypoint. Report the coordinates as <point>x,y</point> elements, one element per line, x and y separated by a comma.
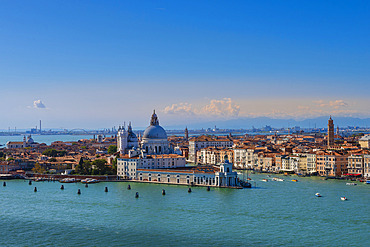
<point>106,189</point>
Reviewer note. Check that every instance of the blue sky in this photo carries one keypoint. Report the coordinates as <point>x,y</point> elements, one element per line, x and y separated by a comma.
<point>98,63</point>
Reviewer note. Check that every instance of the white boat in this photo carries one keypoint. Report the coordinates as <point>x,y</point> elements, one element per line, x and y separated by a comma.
<point>264,180</point>
<point>90,181</point>
<point>68,180</point>
<point>318,194</point>
<point>351,184</point>
<point>343,198</point>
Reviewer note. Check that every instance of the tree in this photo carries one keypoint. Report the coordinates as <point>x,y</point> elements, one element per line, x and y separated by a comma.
<point>54,153</point>
<point>112,149</point>
<point>38,169</point>
<point>99,166</point>
<point>83,167</point>
<point>114,166</point>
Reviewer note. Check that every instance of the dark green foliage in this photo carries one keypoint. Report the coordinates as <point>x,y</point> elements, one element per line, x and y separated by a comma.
<point>112,149</point>
<point>54,153</point>
<point>97,167</point>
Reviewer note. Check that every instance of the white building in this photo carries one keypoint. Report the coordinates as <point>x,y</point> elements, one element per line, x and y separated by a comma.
<point>153,152</point>
<point>29,142</point>
<point>222,176</point>
<point>200,142</point>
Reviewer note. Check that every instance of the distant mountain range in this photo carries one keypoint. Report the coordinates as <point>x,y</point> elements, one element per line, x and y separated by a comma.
<point>259,122</point>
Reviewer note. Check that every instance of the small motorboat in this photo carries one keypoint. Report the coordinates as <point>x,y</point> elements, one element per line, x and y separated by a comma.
<point>89,181</point>
<point>264,180</point>
<point>68,180</point>
<point>351,184</point>
<point>318,194</point>
<point>367,182</point>
<point>294,180</point>
<point>343,198</point>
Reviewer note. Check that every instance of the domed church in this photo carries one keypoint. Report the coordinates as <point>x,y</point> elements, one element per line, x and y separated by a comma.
<point>154,140</point>
<point>153,152</point>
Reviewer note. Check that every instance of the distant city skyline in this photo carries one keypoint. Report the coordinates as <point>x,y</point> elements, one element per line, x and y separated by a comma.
<point>97,64</point>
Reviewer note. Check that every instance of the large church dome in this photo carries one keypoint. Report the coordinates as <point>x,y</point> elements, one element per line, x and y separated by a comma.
<point>155,132</point>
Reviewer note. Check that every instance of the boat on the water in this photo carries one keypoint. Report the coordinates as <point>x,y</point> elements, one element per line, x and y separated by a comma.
<point>294,180</point>
<point>351,184</point>
<point>318,194</point>
<point>90,181</point>
<point>264,180</point>
<point>343,198</point>
<point>68,180</point>
<point>367,182</point>
<point>245,184</point>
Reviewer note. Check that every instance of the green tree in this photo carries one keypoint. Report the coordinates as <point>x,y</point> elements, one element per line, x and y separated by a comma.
<point>38,169</point>
<point>50,152</point>
<point>99,167</point>
<point>84,167</point>
<point>114,166</point>
<point>112,149</point>
<point>54,153</point>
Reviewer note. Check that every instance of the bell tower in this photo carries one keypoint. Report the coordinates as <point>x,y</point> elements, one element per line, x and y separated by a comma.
<point>330,133</point>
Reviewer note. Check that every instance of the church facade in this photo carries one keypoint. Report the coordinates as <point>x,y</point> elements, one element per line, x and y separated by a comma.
<point>152,151</point>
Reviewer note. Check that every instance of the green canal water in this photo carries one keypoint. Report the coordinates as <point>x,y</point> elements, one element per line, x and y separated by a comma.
<point>273,214</point>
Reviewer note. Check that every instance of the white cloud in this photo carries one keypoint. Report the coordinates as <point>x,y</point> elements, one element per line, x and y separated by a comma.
<point>180,108</point>
<point>38,104</point>
<point>223,108</point>
<point>215,108</point>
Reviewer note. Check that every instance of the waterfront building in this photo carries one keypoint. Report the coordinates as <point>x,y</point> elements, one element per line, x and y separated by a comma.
<point>214,155</point>
<point>247,157</point>
<point>6,167</point>
<point>367,166</point>
<point>307,163</point>
<point>220,176</point>
<point>331,164</point>
<point>355,166</point>
<point>266,163</point>
<point>29,142</point>
<point>199,142</point>
<point>330,133</point>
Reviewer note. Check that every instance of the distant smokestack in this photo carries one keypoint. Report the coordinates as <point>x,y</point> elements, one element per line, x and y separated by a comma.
<point>40,126</point>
